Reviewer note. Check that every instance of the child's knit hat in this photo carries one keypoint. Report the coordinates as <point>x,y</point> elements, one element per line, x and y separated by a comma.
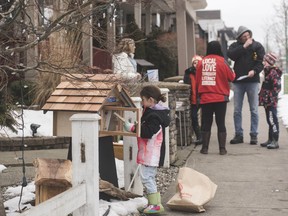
<point>271,58</point>
<point>196,57</point>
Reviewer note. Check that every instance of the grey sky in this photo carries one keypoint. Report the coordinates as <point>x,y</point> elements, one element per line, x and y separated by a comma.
<point>254,14</point>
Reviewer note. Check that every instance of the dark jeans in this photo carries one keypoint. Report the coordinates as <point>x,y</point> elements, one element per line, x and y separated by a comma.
<point>208,110</point>
<point>272,120</point>
<point>194,117</point>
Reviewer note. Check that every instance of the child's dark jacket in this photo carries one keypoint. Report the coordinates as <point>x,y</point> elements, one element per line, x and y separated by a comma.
<point>151,143</point>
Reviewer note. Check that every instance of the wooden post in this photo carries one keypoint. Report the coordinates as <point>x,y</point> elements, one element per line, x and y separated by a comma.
<point>53,176</point>
<point>130,155</point>
<point>182,45</point>
<point>138,12</point>
<point>85,165</point>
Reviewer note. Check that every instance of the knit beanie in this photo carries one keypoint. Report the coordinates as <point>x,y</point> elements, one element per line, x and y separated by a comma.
<point>271,58</point>
<point>196,57</point>
<point>242,30</point>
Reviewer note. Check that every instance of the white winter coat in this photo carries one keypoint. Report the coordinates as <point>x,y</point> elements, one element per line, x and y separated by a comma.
<point>124,65</point>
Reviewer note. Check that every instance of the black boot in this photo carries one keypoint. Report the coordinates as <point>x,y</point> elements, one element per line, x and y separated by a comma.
<point>198,136</point>
<point>237,139</point>
<point>199,141</point>
<point>253,139</point>
<point>265,144</point>
<point>269,141</point>
<point>205,142</point>
<point>222,143</point>
<point>273,145</point>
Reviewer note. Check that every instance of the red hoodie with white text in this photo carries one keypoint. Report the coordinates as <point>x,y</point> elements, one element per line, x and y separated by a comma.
<point>212,77</point>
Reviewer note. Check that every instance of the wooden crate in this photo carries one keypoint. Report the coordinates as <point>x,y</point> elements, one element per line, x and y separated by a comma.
<point>118,150</point>
<point>53,176</point>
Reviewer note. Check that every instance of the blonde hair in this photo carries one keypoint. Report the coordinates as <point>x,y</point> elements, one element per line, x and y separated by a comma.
<point>124,45</point>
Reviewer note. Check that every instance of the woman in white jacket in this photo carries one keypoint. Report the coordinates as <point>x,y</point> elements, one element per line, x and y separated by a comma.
<point>123,60</point>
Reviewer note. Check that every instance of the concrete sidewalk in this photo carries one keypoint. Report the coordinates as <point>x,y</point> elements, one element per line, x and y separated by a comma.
<point>251,180</point>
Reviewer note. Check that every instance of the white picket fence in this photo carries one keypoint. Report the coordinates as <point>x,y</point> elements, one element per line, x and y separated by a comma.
<point>83,198</point>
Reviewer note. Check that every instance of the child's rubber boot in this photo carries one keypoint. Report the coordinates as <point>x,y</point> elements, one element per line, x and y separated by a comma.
<point>154,206</point>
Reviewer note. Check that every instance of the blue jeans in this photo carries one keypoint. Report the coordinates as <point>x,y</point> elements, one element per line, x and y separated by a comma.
<point>147,176</point>
<point>252,93</point>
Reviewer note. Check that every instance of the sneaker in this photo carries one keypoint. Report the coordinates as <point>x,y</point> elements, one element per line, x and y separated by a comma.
<point>237,139</point>
<point>198,142</point>
<point>253,140</point>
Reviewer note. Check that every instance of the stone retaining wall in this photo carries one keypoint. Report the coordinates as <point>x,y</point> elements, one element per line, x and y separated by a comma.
<point>178,93</point>
<point>34,143</point>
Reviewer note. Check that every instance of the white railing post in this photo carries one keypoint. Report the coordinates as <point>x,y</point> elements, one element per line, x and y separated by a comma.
<point>130,149</point>
<point>85,164</point>
<point>167,134</point>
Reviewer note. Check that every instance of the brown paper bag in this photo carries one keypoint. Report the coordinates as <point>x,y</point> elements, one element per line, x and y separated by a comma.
<point>193,190</point>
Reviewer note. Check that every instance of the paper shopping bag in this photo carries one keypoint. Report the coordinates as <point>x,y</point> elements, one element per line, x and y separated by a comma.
<point>193,190</point>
